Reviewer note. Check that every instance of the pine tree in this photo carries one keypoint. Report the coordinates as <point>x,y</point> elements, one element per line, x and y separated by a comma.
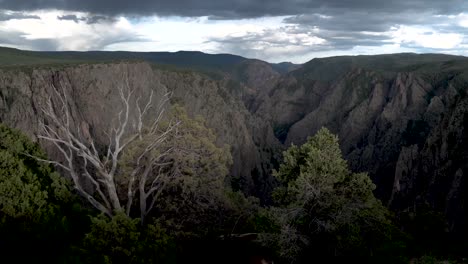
<point>322,205</point>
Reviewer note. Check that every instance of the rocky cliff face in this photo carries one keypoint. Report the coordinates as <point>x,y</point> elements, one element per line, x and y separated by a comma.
<point>400,117</point>
<point>92,90</point>
<point>253,144</point>
<point>432,172</point>
<point>405,126</point>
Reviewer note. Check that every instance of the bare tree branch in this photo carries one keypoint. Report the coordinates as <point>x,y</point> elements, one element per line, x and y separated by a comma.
<point>83,159</point>
<point>96,184</point>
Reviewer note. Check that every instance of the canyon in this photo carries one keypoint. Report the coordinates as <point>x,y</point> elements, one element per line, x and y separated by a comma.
<point>399,117</point>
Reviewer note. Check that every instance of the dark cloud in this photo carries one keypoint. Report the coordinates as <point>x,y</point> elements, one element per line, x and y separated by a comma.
<point>98,18</point>
<point>73,18</point>
<point>271,44</point>
<point>5,16</point>
<point>348,40</point>
<point>93,19</point>
<point>339,33</point>
<point>297,40</point>
<point>223,9</point>
<point>340,24</point>
<point>103,39</point>
<point>361,20</point>
<point>16,39</point>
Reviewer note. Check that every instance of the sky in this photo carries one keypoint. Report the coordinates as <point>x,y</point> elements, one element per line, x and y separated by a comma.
<point>274,31</point>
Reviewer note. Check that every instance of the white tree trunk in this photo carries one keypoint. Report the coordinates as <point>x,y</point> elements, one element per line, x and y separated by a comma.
<point>83,161</point>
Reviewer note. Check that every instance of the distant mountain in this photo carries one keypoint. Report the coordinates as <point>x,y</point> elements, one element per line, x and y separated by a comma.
<point>193,60</point>
<point>284,67</point>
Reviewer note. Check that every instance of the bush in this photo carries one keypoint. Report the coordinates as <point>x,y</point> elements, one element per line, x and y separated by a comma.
<point>38,212</point>
<point>123,240</point>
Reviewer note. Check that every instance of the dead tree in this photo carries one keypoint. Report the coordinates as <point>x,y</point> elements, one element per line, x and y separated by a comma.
<point>101,166</point>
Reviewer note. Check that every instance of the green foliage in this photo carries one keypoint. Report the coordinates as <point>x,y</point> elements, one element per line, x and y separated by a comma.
<point>27,186</point>
<point>123,240</point>
<point>194,197</point>
<point>324,207</point>
<point>37,209</point>
<point>204,164</point>
<point>196,205</point>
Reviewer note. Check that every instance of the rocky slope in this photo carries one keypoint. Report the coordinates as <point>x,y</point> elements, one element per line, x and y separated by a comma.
<point>404,123</point>
<point>253,144</point>
<point>400,117</point>
<point>92,90</point>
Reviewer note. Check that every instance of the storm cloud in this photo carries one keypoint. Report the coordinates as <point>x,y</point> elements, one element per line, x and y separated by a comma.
<point>15,39</point>
<point>297,40</point>
<point>73,18</point>
<point>87,19</point>
<point>302,28</point>
<point>235,9</point>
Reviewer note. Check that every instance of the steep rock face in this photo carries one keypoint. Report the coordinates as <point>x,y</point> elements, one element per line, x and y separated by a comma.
<point>373,114</point>
<point>405,127</point>
<point>288,102</point>
<point>250,81</point>
<point>92,91</point>
<point>252,142</point>
<point>434,174</point>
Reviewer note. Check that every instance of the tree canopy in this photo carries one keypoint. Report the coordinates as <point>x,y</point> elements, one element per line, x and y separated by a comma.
<point>38,211</point>
<point>29,187</point>
<point>321,205</point>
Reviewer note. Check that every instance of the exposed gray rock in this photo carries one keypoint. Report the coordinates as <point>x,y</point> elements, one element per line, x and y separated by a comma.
<point>94,99</point>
